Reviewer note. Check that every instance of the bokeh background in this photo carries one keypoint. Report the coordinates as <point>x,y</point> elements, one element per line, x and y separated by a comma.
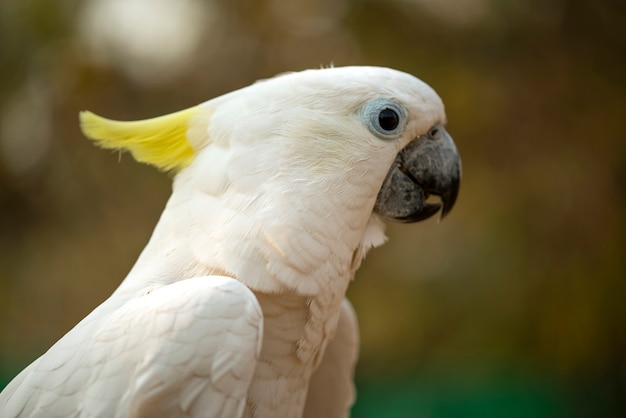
<point>513,306</point>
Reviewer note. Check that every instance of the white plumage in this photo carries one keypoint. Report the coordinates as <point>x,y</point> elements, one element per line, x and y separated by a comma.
<point>236,306</point>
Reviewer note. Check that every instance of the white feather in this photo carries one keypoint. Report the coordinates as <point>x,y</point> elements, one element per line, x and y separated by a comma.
<point>279,197</point>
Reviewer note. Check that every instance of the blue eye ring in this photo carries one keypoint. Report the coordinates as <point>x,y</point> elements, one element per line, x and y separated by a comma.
<point>385,118</point>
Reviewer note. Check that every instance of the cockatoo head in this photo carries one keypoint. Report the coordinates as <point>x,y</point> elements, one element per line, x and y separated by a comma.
<point>301,167</point>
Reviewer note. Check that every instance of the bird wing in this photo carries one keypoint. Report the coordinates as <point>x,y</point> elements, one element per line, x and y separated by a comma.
<point>188,349</point>
<point>331,388</point>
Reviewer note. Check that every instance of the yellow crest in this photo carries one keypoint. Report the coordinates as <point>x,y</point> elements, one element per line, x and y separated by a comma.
<point>162,141</point>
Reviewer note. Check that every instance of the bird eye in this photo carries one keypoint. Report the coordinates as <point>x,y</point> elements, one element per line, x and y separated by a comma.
<point>386,119</point>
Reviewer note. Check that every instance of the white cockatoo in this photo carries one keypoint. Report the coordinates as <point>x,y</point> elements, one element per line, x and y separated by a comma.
<point>236,307</point>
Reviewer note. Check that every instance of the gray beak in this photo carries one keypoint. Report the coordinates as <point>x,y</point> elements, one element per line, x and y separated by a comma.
<point>429,165</point>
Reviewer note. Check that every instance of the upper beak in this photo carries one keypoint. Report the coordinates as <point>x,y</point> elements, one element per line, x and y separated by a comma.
<point>429,165</point>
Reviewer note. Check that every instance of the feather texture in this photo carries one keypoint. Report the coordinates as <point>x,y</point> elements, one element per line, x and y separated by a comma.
<point>162,141</point>
<point>179,350</point>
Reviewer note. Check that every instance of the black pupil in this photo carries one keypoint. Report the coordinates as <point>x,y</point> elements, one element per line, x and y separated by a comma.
<point>388,119</point>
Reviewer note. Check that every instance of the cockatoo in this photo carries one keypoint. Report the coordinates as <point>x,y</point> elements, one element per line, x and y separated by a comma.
<point>236,307</point>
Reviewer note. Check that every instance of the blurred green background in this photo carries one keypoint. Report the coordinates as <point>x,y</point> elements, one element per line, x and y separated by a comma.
<point>514,306</point>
